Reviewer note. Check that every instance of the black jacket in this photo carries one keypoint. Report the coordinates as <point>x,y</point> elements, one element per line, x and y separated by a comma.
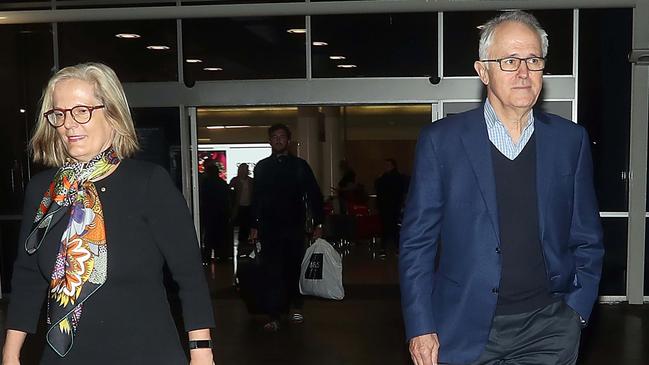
<point>284,189</point>
<point>127,321</point>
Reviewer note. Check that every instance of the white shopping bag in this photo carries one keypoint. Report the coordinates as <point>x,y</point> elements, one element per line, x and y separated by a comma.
<point>322,271</point>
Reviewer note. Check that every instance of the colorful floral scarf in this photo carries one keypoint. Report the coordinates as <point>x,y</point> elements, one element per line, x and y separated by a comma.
<point>81,263</point>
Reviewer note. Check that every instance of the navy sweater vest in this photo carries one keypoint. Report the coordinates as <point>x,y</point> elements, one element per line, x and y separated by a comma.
<point>524,284</point>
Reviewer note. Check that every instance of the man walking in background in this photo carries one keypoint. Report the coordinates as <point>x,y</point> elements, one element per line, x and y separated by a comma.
<point>285,193</point>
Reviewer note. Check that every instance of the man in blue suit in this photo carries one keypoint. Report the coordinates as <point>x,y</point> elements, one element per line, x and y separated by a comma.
<point>501,245</point>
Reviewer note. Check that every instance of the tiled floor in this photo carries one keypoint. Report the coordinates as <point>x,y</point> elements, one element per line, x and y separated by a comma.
<point>366,329</point>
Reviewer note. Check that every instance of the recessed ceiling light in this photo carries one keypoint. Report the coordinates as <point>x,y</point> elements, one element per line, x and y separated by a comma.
<point>337,57</point>
<point>193,60</point>
<point>127,35</point>
<point>320,44</point>
<point>23,111</point>
<point>346,66</point>
<point>297,30</point>
<point>158,48</point>
<point>212,69</point>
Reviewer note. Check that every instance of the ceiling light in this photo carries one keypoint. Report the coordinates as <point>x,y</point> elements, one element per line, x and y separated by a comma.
<point>158,48</point>
<point>337,57</point>
<point>127,35</point>
<point>320,44</point>
<point>212,69</point>
<point>193,60</point>
<point>23,111</point>
<point>346,66</point>
<point>297,30</point>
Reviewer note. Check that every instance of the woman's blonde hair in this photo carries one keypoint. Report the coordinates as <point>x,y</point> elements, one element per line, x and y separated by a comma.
<point>46,144</point>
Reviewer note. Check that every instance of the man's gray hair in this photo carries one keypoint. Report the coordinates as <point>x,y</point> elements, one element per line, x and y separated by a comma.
<point>488,29</point>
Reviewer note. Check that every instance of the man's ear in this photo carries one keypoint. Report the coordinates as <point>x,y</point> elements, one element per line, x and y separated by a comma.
<point>481,70</point>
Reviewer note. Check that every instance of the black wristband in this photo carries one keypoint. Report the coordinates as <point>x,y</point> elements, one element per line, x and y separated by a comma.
<point>200,344</point>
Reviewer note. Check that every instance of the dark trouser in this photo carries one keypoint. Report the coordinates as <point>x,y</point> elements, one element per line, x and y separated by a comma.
<point>243,221</point>
<point>546,336</point>
<point>282,259</point>
<point>390,228</point>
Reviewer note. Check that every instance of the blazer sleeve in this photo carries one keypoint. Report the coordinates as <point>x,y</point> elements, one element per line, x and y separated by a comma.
<point>586,239</point>
<point>29,286</point>
<point>173,231</point>
<point>420,239</point>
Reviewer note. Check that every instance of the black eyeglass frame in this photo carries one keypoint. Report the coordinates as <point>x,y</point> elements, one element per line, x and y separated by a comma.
<point>520,61</point>
<point>64,111</point>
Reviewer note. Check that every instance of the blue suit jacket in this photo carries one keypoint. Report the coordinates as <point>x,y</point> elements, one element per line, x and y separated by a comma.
<point>452,203</point>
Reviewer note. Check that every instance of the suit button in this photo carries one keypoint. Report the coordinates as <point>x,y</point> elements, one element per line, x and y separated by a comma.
<point>497,249</point>
<point>494,290</point>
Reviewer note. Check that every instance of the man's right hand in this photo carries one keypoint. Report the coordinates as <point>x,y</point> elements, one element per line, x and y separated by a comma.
<point>424,349</point>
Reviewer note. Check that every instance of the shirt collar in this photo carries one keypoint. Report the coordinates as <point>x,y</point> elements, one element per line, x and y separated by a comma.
<point>491,118</point>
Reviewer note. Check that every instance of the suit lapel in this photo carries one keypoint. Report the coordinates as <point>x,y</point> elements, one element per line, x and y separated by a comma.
<point>478,148</point>
<point>544,171</point>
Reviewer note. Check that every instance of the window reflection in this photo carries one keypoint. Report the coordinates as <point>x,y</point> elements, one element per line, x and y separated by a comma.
<point>244,48</point>
<point>604,101</point>
<point>375,45</point>
<point>461,38</point>
<point>158,132</point>
<point>27,60</point>
<point>613,280</point>
<point>128,56</point>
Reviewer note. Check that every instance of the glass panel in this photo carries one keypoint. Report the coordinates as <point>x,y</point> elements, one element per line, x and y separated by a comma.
<point>158,131</point>
<point>375,45</point>
<point>374,133</point>
<point>615,243</point>
<point>26,61</point>
<point>560,108</point>
<point>605,98</point>
<point>461,38</point>
<point>646,260</point>
<point>243,48</point>
<point>132,58</point>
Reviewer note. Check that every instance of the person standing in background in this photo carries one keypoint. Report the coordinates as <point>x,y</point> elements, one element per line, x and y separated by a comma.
<point>215,214</point>
<point>390,190</point>
<point>241,186</point>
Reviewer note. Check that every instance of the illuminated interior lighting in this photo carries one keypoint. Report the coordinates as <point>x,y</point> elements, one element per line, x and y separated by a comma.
<point>204,139</point>
<point>297,30</point>
<point>320,44</point>
<point>158,48</point>
<point>127,35</point>
<point>212,69</point>
<point>337,57</point>
<point>23,111</point>
<point>346,66</point>
<point>193,60</point>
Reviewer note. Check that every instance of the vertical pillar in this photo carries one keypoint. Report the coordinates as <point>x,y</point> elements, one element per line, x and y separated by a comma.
<point>333,148</point>
<point>308,138</point>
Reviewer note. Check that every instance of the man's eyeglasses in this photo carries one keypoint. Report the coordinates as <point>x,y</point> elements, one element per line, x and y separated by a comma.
<point>511,64</point>
<point>80,113</point>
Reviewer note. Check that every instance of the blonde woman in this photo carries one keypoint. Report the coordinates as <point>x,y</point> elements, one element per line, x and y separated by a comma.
<point>97,230</point>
